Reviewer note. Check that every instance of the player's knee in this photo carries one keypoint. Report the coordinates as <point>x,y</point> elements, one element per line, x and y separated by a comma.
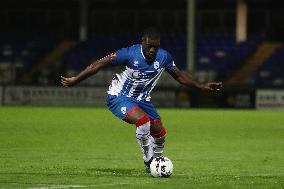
<point>159,134</point>
<point>142,120</point>
<point>157,131</point>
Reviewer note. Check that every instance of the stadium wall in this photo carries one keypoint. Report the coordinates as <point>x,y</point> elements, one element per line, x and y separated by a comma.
<point>269,99</point>
<point>75,96</point>
<point>52,96</point>
<point>229,97</point>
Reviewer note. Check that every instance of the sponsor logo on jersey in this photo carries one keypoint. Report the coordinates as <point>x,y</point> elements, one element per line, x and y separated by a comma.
<point>140,75</point>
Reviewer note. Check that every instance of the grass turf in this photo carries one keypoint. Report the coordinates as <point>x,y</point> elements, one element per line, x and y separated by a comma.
<point>50,148</point>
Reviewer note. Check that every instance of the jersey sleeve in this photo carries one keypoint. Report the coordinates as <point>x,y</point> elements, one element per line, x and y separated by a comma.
<point>170,64</point>
<point>120,57</point>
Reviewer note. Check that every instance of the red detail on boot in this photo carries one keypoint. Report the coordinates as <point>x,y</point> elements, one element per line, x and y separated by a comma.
<point>142,120</point>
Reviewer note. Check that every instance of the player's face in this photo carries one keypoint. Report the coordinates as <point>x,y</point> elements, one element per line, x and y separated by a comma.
<point>150,48</point>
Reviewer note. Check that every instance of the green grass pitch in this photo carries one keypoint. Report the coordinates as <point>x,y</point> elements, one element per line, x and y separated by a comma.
<point>50,148</point>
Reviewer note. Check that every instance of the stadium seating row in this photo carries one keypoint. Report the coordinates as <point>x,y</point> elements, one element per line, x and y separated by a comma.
<point>220,54</point>
<point>216,55</point>
<point>19,52</point>
<point>270,73</point>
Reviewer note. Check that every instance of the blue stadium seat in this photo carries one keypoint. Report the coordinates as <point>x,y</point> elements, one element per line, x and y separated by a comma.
<point>218,53</point>
<point>271,72</point>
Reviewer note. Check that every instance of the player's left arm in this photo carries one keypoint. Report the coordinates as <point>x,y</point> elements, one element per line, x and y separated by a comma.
<point>183,78</point>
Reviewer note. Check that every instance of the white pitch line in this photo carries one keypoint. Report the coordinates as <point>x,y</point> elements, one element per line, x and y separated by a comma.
<point>85,186</point>
<point>77,186</point>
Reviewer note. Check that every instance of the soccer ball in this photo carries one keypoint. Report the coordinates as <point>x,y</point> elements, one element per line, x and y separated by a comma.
<point>161,167</point>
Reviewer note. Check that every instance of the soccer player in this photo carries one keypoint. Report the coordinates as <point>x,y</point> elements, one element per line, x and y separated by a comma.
<point>128,96</point>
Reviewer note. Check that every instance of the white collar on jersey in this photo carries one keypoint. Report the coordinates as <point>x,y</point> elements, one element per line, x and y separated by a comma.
<point>142,52</point>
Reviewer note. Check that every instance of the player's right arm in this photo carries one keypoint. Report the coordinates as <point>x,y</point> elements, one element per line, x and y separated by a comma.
<point>118,58</point>
<point>92,69</point>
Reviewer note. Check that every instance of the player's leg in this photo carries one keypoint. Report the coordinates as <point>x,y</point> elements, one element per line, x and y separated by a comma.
<point>141,114</point>
<point>129,111</point>
<point>157,131</point>
<point>158,136</point>
<point>142,121</point>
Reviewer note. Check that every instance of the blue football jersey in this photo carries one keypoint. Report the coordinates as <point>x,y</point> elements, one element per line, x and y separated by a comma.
<point>139,77</point>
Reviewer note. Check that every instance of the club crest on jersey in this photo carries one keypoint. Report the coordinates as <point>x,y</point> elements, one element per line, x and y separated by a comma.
<point>136,63</point>
<point>156,65</point>
<point>123,110</point>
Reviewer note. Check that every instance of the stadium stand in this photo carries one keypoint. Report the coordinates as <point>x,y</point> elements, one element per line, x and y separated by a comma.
<point>217,57</point>
<point>270,73</point>
<point>20,52</point>
<point>221,52</point>
<point>212,52</point>
<point>243,74</point>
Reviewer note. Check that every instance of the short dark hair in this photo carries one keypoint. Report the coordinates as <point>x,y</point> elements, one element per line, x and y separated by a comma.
<point>151,33</point>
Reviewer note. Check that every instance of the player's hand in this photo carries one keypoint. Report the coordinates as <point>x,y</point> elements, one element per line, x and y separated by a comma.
<point>212,86</point>
<point>68,81</point>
